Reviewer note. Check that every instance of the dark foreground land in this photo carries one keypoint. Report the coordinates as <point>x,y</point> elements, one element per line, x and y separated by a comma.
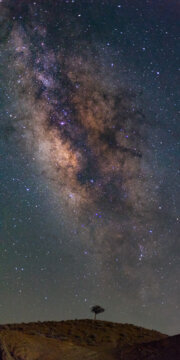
<point>85,340</point>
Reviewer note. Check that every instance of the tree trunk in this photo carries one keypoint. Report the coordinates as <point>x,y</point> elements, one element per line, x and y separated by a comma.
<point>94,316</point>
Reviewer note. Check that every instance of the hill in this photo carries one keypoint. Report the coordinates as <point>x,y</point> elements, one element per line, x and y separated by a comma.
<point>83,340</point>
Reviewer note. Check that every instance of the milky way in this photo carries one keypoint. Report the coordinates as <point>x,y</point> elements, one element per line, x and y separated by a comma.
<point>86,130</point>
<point>86,123</point>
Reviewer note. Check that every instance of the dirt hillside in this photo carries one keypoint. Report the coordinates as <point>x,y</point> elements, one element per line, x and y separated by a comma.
<point>83,340</point>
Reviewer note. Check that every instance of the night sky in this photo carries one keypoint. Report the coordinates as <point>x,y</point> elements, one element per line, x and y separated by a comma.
<point>89,177</point>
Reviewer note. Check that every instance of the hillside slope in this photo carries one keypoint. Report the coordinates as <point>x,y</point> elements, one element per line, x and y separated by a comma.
<point>164,349</point>
<point>82,340</point>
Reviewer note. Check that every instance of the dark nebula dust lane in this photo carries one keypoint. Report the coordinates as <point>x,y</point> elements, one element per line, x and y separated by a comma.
<point>89,107</point>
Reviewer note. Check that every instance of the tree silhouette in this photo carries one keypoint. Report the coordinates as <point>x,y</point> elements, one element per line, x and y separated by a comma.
<point>96,309</point>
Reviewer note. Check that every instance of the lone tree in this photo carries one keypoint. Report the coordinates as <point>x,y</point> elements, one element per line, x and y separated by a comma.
<point>96,309</point>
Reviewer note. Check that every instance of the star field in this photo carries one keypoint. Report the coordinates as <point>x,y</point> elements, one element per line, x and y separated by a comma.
<point>89,155</point>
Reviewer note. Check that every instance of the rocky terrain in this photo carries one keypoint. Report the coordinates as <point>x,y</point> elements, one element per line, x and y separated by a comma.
<point>85,340</point>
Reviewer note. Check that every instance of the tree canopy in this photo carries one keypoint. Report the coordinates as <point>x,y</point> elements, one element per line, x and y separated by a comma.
<point>96,309</point>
